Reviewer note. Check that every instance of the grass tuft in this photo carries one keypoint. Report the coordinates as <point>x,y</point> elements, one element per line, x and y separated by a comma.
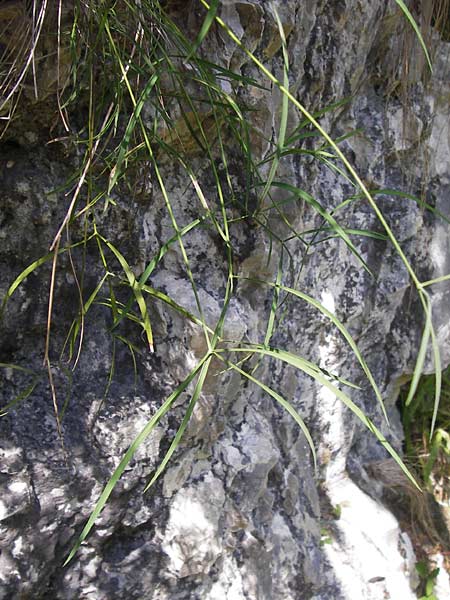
<point>151,100</point>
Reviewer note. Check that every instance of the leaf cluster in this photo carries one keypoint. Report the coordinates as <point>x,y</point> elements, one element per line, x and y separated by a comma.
<point>152,99</point>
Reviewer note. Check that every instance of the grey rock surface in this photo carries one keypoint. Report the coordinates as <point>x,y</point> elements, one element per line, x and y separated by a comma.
<point>240,512</point>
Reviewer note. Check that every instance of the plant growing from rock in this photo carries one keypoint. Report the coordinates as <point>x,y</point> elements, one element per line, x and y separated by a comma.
<point>152,100</point>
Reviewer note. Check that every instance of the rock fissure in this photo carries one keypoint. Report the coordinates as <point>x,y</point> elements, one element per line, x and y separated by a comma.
<point>239,511</point>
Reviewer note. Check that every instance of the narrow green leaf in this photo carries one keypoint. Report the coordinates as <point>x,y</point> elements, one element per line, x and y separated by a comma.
<point>206,26</point>
<point>344,331</point>
<point>136,291</point>
<point>315,372</point>
<point>154,263</point>
<point>128,456</point>
<point>420,361</point>
<point>283,117</point>
<point>437,280</point>
<point>326,215</point>
<point>26,393</point>
<point>284,403</point>
<point>94,294</point>
<point>274,306</point>
<point>177,307</point>
<point>437,377</point>
<point>23,275</point>
<point>396,193</point>
<point>32,267</point>
<point>414,25</point>
<point>117,169</point>
<point>176,441</point>
<point>16,368</point>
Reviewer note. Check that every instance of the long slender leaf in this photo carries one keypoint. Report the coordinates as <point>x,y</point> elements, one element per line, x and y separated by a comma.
<point>414,25</point>
<point>206,26</point>
<point>133,122</point>
<point>343,330</point>
<point>26,393</point>
<point>284,115</point>
<point>155,261</point>
<point>138,441</point>
<point>326,215</point>
<point>31,268</point>
<point>177,307</point>
<point>282,401</point>
<point>136,291</point>
<point>314,372</point>
<point>420,361</point>
<point>176,441</point>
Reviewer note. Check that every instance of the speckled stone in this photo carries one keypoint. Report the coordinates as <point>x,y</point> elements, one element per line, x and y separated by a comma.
<point>239,512</point>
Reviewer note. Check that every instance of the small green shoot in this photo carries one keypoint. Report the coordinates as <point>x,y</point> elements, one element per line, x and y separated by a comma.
<point>428,580</point>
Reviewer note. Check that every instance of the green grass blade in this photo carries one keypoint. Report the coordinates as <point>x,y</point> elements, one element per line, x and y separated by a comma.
<point>314,372</point>
<point>326,215</point>
<point>74,330</point>
<point>26,393</point>
<point>177,307</point>
<point>317,114</point>
<point>360,232</point>
<point>136,291</point>
<point>396,193</point>
<point>275,298</point>
<point>17,368</point>
<point>343,330</point>
<point>206,26</point>
<point>420,361</point>
<point>414,25</point>
<point>23,275</point>
<point>284,114</point>
<point>121,311</point>
<point>437,280</point>
<point>222,73</point>
<point>133,350</point>
<point>111,373</point>
<point>31,268</point>
<point>437,379</point>
<point>256,348</point>
<point>128,456</point>
<point>282,401</point>
<point>176,441</point>
<point>134,120</point>
<point>154,263</point>
<point>96,291</point>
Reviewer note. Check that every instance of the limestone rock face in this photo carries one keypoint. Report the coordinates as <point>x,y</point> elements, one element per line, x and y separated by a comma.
<point>240,511</point>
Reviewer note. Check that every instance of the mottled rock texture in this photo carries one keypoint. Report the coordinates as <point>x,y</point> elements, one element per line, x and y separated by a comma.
<point>239,513</point>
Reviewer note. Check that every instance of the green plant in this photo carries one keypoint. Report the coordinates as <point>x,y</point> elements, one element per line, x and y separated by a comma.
<point>429,449</point>
<point>428,580</point>
<point>151,96</point>
<point>325,537</point>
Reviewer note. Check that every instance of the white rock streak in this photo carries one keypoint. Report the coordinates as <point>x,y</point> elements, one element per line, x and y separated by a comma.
<point>367,552</point>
